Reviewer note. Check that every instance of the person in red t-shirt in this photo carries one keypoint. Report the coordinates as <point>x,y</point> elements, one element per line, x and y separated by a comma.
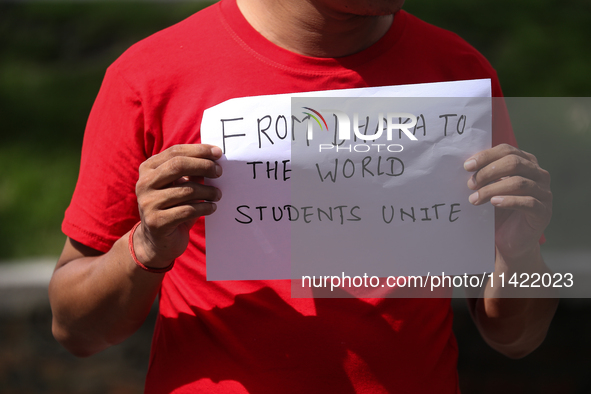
<point>142,161</point>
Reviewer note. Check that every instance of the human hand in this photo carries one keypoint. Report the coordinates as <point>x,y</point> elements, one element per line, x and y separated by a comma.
<point>171,197</point>
<point>519,188</point>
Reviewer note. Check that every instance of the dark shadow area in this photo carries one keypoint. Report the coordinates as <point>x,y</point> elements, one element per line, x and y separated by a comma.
<point>560,365</point>
<point>31,361</point>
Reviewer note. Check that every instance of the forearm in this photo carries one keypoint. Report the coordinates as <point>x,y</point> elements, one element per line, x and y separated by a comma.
<point>510,322</point>
<point>100,301</point>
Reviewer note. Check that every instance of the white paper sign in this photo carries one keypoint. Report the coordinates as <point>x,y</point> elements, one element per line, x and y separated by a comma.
<point>390,206</point>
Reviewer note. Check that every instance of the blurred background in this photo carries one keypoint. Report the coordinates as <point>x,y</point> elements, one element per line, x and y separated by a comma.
<point>53,56</point>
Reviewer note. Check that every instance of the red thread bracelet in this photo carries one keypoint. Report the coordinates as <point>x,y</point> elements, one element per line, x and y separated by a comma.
<point>139,264</point>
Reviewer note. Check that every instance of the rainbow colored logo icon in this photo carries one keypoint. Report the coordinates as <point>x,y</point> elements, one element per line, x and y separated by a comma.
<point>315,118</point>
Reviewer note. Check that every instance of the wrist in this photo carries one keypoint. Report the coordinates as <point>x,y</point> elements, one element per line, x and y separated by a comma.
<point>528,261</point>
<point>143,255</point>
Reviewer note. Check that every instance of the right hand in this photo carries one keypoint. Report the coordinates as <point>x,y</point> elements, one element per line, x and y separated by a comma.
<point>171,198</point>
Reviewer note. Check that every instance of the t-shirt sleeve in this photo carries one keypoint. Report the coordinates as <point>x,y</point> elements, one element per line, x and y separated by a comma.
<point>501,123</point>
<point>104,204</point>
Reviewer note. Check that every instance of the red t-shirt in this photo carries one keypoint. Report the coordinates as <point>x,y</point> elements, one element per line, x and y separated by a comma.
<point>251,336</point>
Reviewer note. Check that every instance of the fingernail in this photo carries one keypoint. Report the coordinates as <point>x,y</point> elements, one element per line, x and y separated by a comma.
<point>216,151</point>
<point>471,182</point>
<point>214,207</point>
<point>473,198</point>
<point>218,195</point>
<point>218,170</point>
<point>470,165</point>
<point>496,201</point>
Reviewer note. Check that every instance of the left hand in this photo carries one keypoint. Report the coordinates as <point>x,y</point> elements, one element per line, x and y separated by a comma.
<point>519,188</point>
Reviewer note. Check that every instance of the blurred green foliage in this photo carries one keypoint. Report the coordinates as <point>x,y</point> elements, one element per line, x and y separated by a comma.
<point>540,48</point>
<point>53,56</point>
